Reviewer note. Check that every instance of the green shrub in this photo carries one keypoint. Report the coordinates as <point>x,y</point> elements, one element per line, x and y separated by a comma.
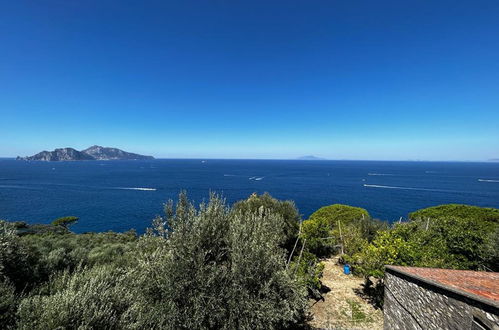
<point>16,264</point>
<point>308,270</point>
<point>96,298</point>
<point>286,209</point>
<point>457,211</point>
<point>449,241</point>
<point>322,229</point>
<point>8,304</point>
<point>214,268</point>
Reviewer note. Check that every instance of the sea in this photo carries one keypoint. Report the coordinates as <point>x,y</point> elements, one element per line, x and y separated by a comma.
<point>123,195</point>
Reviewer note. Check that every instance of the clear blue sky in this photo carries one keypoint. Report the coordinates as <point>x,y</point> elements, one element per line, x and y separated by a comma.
<point>252,79</point>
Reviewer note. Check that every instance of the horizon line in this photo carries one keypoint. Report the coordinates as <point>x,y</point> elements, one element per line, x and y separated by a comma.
<point>288,159</point>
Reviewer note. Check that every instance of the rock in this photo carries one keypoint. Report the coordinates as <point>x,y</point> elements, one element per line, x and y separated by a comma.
<point>92,153</point>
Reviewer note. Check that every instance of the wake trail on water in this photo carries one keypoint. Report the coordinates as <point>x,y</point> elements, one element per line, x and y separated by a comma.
<point>136,188</point>
<point>380,174</point>
<point>408,188</point>
<point>486,180</point>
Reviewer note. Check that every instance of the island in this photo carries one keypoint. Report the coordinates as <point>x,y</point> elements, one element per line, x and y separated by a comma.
<point>310,157</point>
<point>92,153</point>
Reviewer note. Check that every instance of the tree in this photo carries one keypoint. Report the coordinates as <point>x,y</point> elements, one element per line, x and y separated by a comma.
<point>323,229</point>
<point>216,268</point>
<point>286,209</point>
<point>65,221</point>
<point>487,214</point>
<point>206,268</point>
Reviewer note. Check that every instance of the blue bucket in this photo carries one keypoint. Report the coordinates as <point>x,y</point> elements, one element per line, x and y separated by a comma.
<point>346,269</point>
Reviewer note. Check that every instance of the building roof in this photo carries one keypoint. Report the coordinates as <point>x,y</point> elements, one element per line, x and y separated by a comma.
<point>483,286</point>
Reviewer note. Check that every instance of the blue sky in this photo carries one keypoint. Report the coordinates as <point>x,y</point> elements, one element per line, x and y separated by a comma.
<point>387,80</point>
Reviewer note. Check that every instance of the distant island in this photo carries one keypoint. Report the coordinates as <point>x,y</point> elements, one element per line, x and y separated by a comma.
<point>92,153</point>
<point>310,157</point>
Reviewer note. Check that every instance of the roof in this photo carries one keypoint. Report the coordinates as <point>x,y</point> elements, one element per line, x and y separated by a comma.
<point>482,286</point>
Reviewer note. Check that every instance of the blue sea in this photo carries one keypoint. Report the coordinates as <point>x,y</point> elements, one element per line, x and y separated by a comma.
<point>120,195</point>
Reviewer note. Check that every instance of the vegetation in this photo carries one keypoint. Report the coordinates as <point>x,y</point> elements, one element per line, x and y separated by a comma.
<point>338,228</point>
<point>463,238</point>
<point>286,209</point>
<point>482,214</point>
<point>249,266</point>
<point>205,268</point>
<point>65,221</point>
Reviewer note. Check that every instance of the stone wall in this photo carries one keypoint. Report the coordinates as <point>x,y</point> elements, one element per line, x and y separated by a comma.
<point>414,304</point>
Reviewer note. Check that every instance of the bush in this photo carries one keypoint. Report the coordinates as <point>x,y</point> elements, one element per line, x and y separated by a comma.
<point>217,269</point>
<point>16,264</point>
<point>308,271</point>
<point>460,211</point>
<point>446,242</point>
<point>322,229</point>
<point>96,298</point>
<point>58,252</point>
<point>286,209</point>
<point>8,303</point>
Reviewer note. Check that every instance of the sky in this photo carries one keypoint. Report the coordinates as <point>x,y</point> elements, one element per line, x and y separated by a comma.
<point>377,80</point>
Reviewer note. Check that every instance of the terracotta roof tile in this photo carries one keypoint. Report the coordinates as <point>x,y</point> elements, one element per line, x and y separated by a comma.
<point>483,284</point>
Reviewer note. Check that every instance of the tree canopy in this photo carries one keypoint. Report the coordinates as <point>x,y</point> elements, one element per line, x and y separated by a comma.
<point>65,221</point>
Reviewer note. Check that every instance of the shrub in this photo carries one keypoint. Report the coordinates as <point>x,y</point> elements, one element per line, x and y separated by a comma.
<point>96,298</point>
<point>8,303</point>
<point>16,264</point>
<point>286,209</point>
<point>214,268</point>
<point>445,242</point>
<point>460,211</point>
<point>308,270</point>
<point>322,229</point>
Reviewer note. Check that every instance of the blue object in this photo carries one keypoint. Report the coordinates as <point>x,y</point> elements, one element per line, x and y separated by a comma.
<point>346,269</point>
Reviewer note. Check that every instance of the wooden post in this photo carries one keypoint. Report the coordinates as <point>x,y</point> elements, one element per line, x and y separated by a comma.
<point>294,247</point>
<point>301,252</point>
<point>341,237</point>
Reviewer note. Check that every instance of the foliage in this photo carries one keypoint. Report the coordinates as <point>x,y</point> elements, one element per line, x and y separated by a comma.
<point>218,268</point>
<point>322,229</point>
<point>458,211</point>
<point>8,303</point>
<point>308,270</point>
<point>204,268</point>
<point>450,241</point>
<point>16,264</point>
<point>286,209</point>
<point>65,221</point>
<point>96,298</point>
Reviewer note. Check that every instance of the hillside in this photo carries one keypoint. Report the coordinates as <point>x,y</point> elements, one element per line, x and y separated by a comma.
<point>92,153</point>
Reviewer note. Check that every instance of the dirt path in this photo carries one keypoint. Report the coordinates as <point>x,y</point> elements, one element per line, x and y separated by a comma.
<point>343,308</point>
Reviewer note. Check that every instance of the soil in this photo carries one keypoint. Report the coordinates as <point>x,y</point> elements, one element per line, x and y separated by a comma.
<point>343,306</point>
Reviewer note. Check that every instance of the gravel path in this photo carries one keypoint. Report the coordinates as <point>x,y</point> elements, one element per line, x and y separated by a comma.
<point>342,308</point>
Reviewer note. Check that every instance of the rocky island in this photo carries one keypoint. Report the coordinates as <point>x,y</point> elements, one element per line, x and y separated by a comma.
<point>310,157</point>
<point>92,153</point>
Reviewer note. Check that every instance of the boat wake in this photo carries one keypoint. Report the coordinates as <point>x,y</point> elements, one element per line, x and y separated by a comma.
<point>406,188</point>
<point>485,180</point>
<point>380,174</point>
<point>137,188</point>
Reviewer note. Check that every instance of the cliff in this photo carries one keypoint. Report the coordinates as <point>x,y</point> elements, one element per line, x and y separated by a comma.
<point>92,153</point>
